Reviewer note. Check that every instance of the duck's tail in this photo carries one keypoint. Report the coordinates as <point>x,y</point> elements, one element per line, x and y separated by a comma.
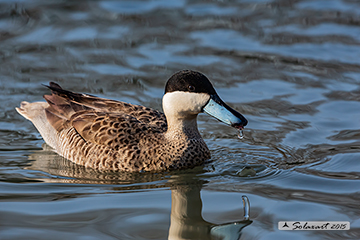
<point>35,112</point>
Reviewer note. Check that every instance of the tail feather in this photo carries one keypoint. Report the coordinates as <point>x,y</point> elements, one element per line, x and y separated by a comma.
<point>35,112</point>
<point>31,111</point>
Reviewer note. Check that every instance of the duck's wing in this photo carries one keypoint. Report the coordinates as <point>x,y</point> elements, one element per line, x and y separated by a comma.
<point>67,104</point>
<point>101,121</point>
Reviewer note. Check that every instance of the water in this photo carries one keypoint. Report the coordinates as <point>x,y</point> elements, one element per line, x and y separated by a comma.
<point>292,68</point>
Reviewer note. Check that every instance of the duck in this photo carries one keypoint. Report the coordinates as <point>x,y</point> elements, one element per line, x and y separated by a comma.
<point>106,134</point>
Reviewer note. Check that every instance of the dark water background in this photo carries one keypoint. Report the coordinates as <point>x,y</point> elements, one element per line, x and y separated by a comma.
<point>292,67</point>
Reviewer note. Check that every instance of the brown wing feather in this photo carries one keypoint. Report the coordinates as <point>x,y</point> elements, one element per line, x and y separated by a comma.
<point>75,102</point>
<point>100,121</point>
<point>86,101</point>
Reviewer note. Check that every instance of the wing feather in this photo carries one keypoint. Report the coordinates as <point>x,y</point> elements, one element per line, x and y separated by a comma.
<point>101,121</point>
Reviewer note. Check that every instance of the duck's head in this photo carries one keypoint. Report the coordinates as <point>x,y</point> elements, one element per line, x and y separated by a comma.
<point>188,93</point>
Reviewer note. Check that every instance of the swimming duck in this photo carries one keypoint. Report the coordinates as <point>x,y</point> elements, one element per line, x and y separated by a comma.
<point>111,135</point>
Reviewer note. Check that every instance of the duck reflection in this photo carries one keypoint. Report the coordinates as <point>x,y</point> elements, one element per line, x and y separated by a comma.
<point>186,221</point>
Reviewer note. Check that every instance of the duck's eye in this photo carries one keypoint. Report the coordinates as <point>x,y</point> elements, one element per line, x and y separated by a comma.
<point>191,88</point>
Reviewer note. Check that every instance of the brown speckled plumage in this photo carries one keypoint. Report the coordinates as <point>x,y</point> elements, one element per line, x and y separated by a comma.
<point>111,135</point>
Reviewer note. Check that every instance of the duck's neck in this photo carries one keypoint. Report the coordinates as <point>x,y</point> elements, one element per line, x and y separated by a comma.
<point>181,110</point>
<point>182,127</point>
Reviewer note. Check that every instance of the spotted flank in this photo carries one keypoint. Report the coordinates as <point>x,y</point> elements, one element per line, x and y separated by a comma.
<point>111,135</point>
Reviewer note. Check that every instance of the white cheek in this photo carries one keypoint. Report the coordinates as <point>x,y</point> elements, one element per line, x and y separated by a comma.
<point>184,103</point>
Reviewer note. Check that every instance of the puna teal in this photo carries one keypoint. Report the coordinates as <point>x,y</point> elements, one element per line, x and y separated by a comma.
<point>112,135</point>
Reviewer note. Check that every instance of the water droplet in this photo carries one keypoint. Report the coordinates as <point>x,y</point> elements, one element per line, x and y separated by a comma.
<point>246,204</point>
<point>241,134</point>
